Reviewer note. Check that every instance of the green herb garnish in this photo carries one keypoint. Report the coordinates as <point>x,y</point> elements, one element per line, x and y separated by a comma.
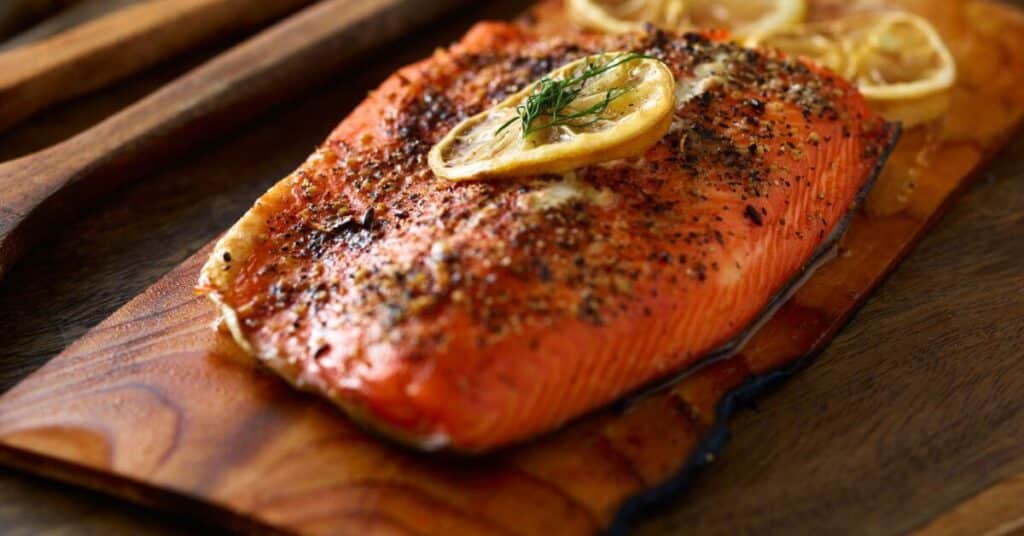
<point>550,98</point>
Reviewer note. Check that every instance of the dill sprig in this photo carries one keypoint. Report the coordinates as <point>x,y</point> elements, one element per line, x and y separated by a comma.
<point>550,98</point>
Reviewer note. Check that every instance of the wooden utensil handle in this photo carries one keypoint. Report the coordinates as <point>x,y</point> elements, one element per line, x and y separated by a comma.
<point>42,191</point>
<point>98,52</point>
<point>14,14</point>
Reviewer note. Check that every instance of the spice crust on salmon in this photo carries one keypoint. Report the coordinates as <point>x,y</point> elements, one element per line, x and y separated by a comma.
<point>473,315</point>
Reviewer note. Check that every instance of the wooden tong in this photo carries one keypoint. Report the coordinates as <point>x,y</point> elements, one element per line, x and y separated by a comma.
<point>44,190</point>
<point>100,51</point>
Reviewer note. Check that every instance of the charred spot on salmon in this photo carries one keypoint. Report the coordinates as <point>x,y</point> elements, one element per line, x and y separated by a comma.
<point>348,223</point>
<point>753,215</point>
<point>367,220</point>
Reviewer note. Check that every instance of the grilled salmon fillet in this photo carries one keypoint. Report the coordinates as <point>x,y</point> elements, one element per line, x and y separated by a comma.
<point>472,315</point>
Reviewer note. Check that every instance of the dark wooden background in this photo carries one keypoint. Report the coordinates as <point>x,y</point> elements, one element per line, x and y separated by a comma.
<point>916,407</point>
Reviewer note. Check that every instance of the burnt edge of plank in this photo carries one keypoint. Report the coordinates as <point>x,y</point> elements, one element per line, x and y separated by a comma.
<point>744,395</point>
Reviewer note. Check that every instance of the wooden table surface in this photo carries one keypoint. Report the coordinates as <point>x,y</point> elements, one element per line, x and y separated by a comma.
<point>913,410</point>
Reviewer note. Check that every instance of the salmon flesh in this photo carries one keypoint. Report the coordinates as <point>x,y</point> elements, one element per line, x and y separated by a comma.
<point>469,316</point>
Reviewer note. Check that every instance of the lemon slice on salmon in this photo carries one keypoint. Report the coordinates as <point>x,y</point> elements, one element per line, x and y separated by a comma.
<point>742,17</point>
<point>897,60</point>
<point>596,109</point>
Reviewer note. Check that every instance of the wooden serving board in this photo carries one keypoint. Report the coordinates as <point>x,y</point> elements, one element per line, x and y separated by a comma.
<point>154,406</point>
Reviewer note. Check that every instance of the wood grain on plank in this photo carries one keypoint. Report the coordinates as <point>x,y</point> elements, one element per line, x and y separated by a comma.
<point>43,190</point>
<point>300,465</point>
<point>92,55</point>
<point>998,511</point>
<point>70,17</point>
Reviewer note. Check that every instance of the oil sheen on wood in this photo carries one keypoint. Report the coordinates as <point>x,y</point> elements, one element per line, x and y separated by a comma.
<point>155,406</point>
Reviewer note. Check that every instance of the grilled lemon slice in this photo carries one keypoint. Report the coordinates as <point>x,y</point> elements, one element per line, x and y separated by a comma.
<point>742,17</point>
<point>746,17</point>
<point>830,44</point>
<point>600,108</point>
<point>903,57</point>
<point>897,59</point>
<point>621,16</point>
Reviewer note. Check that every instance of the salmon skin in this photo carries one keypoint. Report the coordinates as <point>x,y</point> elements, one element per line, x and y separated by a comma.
<point>469,316</point>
